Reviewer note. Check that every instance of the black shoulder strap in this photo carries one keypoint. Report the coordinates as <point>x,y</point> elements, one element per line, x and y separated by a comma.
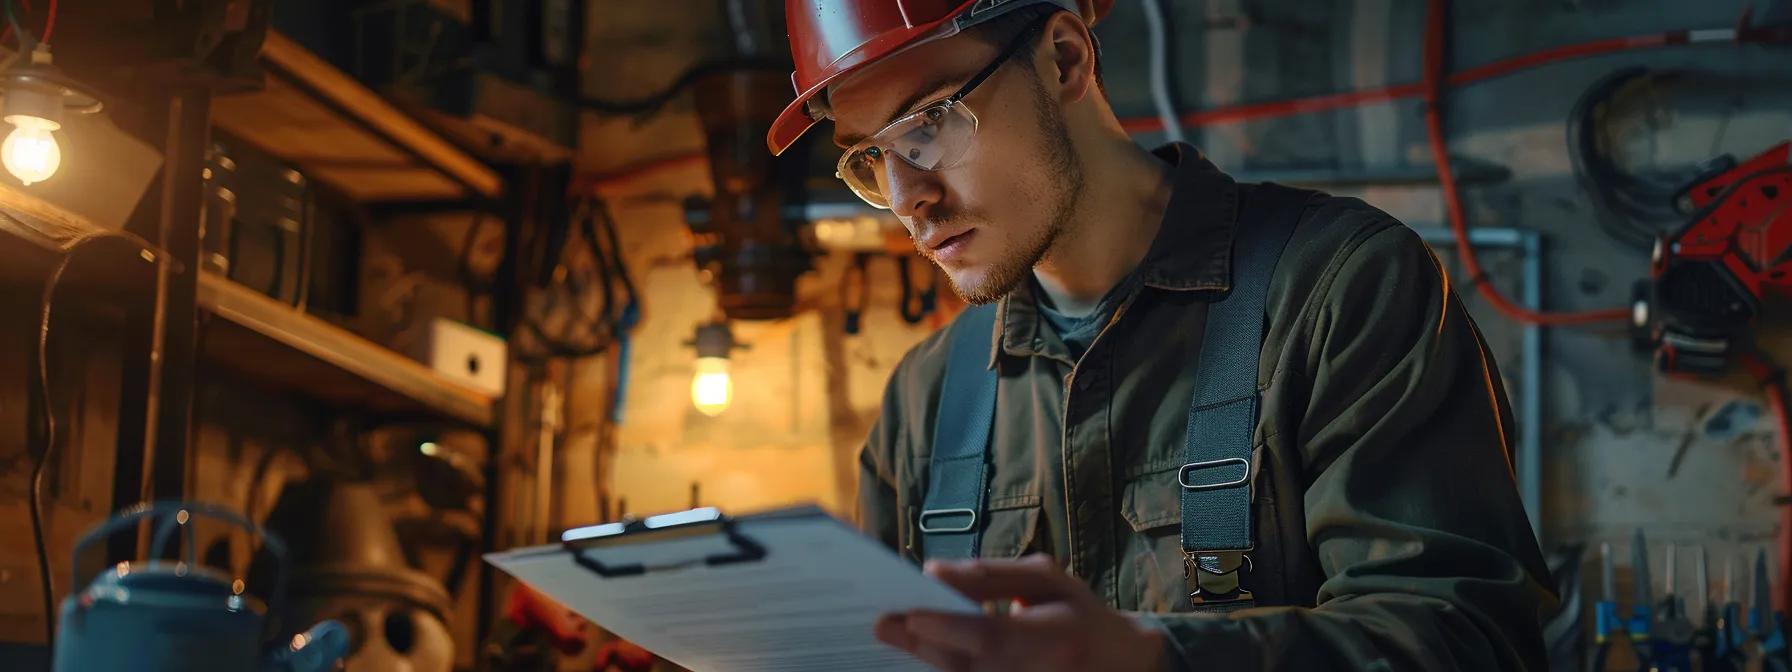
<point>958,473</point>
<point>1222,420</point>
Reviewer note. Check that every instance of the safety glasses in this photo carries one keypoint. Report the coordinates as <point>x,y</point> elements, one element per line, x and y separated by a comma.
<point>934,137</point>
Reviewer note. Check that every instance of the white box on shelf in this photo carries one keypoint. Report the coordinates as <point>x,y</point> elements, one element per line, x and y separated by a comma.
<point>464,354</point>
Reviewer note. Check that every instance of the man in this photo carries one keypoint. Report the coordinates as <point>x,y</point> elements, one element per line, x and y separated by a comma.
<point>1377,522</point>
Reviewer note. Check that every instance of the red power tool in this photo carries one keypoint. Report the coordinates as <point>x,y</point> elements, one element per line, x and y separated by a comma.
<point>1708,281</point>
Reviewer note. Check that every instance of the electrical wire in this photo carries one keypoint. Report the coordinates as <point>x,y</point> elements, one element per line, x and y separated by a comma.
<point>1632,209</point>
<point>1160,70</point>
<point>49,22</point>
<point>611,322</point>
<point>653,102</point>
<point>46,417</point>
<point>1436,35</point>
<point>1383,94</point>
<point>12,19</point>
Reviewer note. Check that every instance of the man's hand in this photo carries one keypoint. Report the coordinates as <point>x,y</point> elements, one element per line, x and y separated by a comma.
<point>1055,624</point>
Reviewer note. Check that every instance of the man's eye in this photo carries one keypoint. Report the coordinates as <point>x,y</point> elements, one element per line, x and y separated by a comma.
<point>934,115</point>
<point>874,153</point>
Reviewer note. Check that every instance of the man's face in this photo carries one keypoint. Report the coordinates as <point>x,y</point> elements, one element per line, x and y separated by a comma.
<point>989,218</point>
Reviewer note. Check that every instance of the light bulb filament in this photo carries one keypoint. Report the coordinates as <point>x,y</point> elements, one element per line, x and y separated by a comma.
<point>30,152</point>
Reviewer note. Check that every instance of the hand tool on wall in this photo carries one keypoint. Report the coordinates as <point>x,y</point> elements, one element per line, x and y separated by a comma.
<point>1605,611</point>
<point>1609,623</point>
<point>1705,638</point>
<point>1671,634</point>
<point>1768,625</point>
<point>1730,633</point>
<point>1641,619</point>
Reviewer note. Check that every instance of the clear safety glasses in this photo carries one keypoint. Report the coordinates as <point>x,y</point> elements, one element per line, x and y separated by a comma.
<point>934,137</point>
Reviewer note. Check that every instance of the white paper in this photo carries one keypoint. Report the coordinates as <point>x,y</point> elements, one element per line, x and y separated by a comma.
<point>810,604</point>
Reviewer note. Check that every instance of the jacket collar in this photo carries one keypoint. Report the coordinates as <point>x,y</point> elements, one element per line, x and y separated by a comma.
<point>1192,250</point>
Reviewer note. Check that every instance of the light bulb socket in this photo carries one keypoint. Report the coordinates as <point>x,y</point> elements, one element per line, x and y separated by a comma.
<point>32,100</point>
<point>39,89</point>
<point>714,340</point>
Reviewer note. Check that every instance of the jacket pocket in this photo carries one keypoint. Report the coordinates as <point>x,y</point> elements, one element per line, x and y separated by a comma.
<point>1013,522</point>
<point>1151,556</point>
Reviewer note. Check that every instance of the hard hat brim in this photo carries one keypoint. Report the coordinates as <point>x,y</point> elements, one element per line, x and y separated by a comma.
<point>794,121</point>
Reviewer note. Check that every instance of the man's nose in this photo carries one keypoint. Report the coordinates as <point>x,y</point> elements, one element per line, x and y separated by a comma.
<point>912,190</point>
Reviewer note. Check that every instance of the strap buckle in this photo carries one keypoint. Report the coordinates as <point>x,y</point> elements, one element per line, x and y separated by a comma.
<point>1217,577</point>
<point>1182,475</point>
<point>970,522</point>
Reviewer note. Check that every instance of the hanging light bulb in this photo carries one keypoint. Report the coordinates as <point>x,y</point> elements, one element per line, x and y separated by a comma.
<point>37,96</point>
<point>712,388</point>
<point>30,152</point>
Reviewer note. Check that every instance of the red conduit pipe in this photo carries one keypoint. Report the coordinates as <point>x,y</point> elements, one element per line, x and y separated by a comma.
<point>1435,38</point>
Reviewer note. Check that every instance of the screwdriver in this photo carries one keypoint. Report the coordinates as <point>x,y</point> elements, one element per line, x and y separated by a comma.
<point>1730,633</point>
<point>1767,624</point>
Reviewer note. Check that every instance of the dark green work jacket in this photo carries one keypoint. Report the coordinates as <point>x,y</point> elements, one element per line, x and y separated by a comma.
<point>1389,532</point>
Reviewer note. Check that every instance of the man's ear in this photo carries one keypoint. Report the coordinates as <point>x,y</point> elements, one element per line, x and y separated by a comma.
<point>1069,55</point>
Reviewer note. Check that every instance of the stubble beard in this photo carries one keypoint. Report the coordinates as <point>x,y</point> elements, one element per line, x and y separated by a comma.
<point>1059,158</point>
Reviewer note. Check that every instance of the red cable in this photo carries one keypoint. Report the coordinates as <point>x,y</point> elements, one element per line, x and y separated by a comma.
<point>1435,33</point>
<point>1335,101</point>
<point>49,21</point>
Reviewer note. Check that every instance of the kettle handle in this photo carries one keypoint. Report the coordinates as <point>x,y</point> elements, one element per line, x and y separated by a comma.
<point>134,514</point>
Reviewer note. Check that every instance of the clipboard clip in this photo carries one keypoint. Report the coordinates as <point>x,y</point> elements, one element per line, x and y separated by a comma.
<point>706,521</point>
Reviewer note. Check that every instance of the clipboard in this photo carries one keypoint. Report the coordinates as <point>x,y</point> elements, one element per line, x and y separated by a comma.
<point>790,590</point>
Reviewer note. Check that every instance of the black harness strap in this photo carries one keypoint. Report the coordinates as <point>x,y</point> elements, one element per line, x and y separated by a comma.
<point>1222,421</point>
<point>951,517</point>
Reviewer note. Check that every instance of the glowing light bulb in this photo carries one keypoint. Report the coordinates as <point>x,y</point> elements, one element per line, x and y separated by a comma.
<point>30,153</point>
<point>711,388</point>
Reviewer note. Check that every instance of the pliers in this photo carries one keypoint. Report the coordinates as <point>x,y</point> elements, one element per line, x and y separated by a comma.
<point>1637,627</point>
<point>1728,649</point>
<point>1768,625</point>
<point>1671,634</point>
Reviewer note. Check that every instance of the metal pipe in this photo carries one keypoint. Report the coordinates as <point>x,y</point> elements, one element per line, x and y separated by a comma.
<point>1530,430</point>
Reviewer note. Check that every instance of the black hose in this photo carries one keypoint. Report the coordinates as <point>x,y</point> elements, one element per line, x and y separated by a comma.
<point>653,102</point>
<point>1633,209</point>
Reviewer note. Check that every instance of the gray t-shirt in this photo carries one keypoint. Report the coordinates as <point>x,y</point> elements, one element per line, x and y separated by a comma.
<point>1078,333</point>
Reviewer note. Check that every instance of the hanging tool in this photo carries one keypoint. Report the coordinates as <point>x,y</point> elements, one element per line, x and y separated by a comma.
<point>923,301</point>
<point>1705,638</point>
<point>1671,635</point>
<point>852,301</point>
<point>1605,611</point>
<point>1640,621</point>
<point>1768,625</point>
<point>1730,633</point>
<point>1608,623</point>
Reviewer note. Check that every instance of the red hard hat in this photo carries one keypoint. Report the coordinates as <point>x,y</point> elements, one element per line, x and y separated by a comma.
<point>830,38</point>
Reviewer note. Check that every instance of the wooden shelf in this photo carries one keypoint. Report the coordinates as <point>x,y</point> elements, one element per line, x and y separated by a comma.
<point>340,133</point>
<point>272,342</point>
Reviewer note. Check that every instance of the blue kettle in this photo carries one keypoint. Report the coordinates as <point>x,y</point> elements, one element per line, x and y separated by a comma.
<point>159,616</point>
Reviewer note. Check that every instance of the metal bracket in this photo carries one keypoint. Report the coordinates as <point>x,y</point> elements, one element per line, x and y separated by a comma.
<point>1217,577</point>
